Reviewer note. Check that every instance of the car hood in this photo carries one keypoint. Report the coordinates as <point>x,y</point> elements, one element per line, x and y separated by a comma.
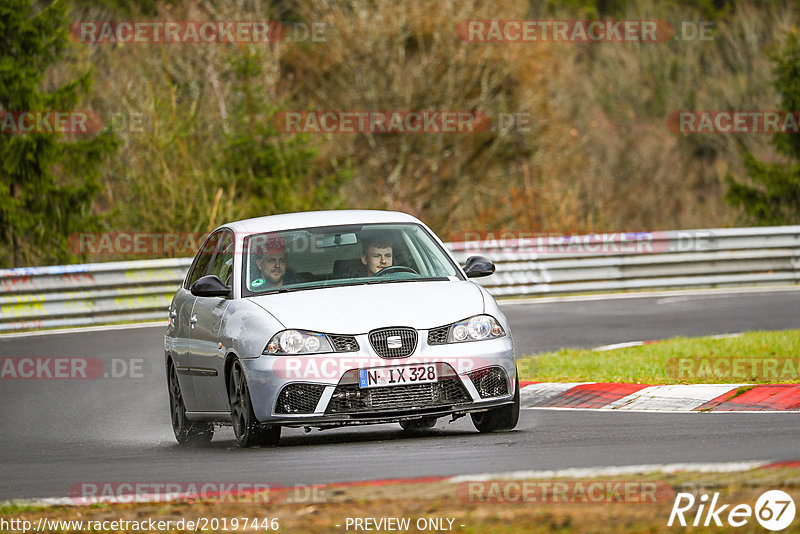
<point>361,308</point>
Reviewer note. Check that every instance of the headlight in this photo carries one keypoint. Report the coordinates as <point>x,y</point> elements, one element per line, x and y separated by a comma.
<point>475,329</point>
<point>298,342</point>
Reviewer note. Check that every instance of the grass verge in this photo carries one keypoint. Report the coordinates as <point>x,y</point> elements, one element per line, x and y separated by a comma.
<point>571,510</point>
<point>753,358</point>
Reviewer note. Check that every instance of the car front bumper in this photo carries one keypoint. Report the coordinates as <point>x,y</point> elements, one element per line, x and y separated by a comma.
<point>323,390</point>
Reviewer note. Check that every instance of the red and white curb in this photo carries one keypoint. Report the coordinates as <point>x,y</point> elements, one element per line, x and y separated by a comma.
<point>666,398</point>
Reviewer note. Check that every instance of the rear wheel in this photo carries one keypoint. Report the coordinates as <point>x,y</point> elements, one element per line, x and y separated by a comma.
<point>501,418</point>
<point>248,431</point>
<point>186,432</point>
<point>417,425</point>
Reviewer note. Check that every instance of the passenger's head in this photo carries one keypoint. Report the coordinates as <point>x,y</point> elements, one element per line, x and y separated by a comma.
<point>376,254</point>
<point>272,260</point>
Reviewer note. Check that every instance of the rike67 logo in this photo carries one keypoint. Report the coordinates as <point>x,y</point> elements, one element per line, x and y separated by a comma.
<point>774,510</point>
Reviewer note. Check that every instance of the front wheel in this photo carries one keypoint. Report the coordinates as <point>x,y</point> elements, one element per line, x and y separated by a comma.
<point>186,432</point>
<point>501,418</point>
<point>248,431</point>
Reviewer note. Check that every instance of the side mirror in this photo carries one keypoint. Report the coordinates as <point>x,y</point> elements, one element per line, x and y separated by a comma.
<point>478,266</point>
<point>210,286</point>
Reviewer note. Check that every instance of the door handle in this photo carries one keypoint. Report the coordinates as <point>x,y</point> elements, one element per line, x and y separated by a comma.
<point>193,320</point>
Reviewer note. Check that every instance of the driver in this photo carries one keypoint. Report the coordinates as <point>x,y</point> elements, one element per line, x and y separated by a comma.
<point>273,264</point>
<point>376,255</point>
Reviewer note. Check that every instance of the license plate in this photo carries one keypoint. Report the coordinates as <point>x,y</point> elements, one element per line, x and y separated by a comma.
<point>397,376</point>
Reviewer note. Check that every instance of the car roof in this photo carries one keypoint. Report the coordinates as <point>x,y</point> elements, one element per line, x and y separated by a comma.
<point>310,219</point>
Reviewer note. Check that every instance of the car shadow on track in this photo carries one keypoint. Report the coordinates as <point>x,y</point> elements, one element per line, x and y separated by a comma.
<point>224,439</point>
<point>327,437</point>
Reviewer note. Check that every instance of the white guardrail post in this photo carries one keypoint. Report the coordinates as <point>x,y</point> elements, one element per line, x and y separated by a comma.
<point>527,265</point>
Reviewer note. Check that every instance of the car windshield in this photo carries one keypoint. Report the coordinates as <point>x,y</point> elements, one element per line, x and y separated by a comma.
<point>312,258</point>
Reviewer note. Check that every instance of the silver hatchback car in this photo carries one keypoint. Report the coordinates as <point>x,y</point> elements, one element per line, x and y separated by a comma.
<point>332,318</point>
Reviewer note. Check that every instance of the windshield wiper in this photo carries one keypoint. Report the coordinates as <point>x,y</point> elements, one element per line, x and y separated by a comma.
<point>394,280</point>
<point>303,288</point>
<point>281,290</point>
<point>361,282</point>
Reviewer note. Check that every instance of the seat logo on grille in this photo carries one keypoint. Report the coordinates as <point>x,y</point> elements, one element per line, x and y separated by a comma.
<point>394,342</point>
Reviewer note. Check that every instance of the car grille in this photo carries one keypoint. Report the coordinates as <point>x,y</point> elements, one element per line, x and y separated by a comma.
<point>349,398</point>
<point>490,382</point>
<point>438,336</point>
<point>379,341</point>
<point>299,398</point>
<point>344,343</point>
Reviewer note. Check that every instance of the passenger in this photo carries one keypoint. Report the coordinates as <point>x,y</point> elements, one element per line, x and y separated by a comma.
<point>273,264</point>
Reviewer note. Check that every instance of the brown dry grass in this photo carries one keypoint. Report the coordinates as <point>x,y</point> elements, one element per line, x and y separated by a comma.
<point>443,501</point>
<point>598,157</point>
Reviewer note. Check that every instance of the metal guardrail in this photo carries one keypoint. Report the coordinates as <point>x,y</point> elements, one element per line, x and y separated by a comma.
<point>97,293</point>
<point>637,261</point>
<point>527,265</point>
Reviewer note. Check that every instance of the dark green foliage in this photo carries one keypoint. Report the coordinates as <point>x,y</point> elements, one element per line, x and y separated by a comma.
<point>774,196</point>
<point>47,181</point>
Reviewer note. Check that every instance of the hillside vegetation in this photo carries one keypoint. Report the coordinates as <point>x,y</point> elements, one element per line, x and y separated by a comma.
<point>597,154</point>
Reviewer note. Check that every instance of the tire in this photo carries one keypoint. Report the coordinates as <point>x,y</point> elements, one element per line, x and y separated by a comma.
<point>248,431</point>
<point>189,433</point>
<point>417,425</point>
<point>501,418</point>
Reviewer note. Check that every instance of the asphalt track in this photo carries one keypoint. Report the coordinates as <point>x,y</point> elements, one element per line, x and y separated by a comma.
<point>56,433</point>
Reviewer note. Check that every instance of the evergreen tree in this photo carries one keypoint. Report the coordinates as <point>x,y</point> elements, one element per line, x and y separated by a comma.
<point>774,197</point>
<point>47,180</point>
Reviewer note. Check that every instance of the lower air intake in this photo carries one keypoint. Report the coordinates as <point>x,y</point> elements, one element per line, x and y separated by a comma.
<point>299,398</point>
<point>350,398</point>
<point>490,382</point>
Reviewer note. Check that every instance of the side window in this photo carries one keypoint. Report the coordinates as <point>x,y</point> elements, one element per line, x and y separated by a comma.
<point>203,259</point>
<point>222,265</point>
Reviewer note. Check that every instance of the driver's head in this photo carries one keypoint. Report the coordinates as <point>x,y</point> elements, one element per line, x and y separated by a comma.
<point>272,263</point>
<point>376,254</point>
